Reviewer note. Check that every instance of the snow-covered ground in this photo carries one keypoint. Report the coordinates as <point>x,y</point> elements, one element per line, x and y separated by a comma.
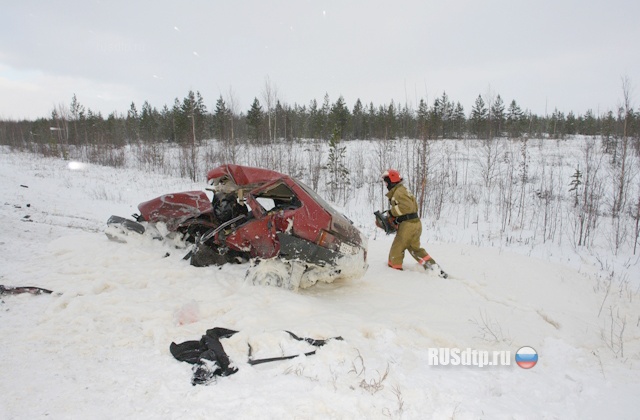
<point>99,346</point>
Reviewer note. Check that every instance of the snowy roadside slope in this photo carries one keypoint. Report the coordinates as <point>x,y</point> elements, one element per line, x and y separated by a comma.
<point>99,346</point>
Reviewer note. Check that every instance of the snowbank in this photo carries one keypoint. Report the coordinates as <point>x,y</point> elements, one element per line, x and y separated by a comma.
<point>99,346</point>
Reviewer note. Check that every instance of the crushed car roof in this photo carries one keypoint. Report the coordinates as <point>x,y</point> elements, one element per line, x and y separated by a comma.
<point>244,175</point>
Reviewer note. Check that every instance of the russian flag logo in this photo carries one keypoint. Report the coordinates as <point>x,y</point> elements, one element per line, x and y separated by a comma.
<point>526,357</point>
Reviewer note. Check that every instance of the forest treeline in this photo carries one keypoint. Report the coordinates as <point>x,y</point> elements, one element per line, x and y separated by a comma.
<point>188,121</point>
<point>493,166</point>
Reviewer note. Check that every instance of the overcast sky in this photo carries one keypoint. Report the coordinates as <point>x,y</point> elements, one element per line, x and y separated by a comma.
<point>545,54</point>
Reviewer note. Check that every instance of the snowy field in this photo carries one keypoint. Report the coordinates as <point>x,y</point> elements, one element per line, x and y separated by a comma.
<point>99,346</point>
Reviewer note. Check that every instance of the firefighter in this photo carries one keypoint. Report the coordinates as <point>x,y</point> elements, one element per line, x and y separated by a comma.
<point>404,208</point>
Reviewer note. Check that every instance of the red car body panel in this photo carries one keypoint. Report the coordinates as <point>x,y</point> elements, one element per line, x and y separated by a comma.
<point>174,209</point>
<point>244,175</point>
<point>257,236</point>
<point>306,216</point>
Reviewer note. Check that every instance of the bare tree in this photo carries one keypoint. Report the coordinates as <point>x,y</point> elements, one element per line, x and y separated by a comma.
<point>232,108</point>
<point>270,97</point>
<point>60,130</point>
<point>489,161</point>
<point>523,177</point>
<point>422,173</point>
<point>383,159</point>
<point>636,235</point>
<point>622,180</point>
<point>506,185</point>
<point>315,157</point>
<point>489,98</point>
<point>590,191</point>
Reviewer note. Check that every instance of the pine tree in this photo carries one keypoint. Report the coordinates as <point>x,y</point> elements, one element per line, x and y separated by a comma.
<point>133,123</point>
<point>406,120</point>
<point>200,116</point>
<point>339,116</point>
<point>497,112</point>
<point>77,118</point>
<point>167,124</point>
<point>338,172</point>
<point>299,124</point>
<point>178,122</point>
<point>148,123</point>
<point>371,121</point>
<point>571,124</point>
<point>190,118</point>
<point>220,119</point>
<point>479,115</point>
<point>316,120</point>
<point>441,116</point>
<point>324,117</point>
<point>76,109</point>
<point>576,182</point>
<point>447,114</point>
<point>608,133</point>
<point>255,116</point>
<point>283,121</point>
<point>557,124</point>
<point>423,119</point>
<point>459,120</point>
<point>514,120</point>
<point>357,121</point>
<point>435,119</point>
<point>389,118</point>
<point>589,124</point>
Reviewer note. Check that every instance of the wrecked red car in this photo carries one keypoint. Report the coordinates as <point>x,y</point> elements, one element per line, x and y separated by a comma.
<point>289,234</point>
